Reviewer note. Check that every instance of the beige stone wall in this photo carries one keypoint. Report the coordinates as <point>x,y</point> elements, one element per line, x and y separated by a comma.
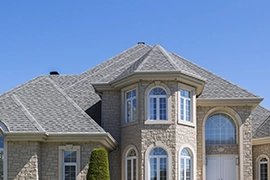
<point>33,160</point>
<point>259,151</point>
<point>244,136</point>
<point>23,160</point>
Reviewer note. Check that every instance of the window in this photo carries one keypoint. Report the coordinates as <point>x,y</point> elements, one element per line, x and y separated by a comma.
<point>131,106</point>
<point>185,105</point>
<point>263,169</point>
<point>158,104</point>
<point>220,129</point>
<point>131,165</point>
<point>69,163</point>
<point>158,164</point>
<point>69,169</point>
<point>185,165</point>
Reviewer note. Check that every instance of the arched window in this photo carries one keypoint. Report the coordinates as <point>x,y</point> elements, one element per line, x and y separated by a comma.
<point>263,169</point>
<point>158,104</point>
<point>158,164</point>
<point>130,169</point>
<point>220,129</point>
<point>185,165</point>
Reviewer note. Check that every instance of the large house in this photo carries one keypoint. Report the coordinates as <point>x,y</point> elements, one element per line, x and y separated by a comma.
<point>159,116</point>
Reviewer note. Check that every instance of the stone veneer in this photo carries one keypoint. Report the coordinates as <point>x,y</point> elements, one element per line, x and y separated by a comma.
<point>259,151</point>
<point>34,160</point>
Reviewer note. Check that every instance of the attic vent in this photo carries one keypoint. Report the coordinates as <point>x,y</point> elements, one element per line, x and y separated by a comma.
<point>141,43</point>
<point>54,73</point>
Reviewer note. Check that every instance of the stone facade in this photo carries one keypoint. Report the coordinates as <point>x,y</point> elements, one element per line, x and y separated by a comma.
<point>36,160</point>
<point>259,151</point>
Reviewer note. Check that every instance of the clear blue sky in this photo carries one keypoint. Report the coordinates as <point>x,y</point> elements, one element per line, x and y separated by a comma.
<point>228,37</point>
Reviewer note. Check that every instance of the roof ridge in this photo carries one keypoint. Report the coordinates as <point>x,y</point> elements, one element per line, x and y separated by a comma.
<point>32,119</point>
<point>167,56</point>
<point>213,74</point>
<point>75,105</point>
<point>106,66</point>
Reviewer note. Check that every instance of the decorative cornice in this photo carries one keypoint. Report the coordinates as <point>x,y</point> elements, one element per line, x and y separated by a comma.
<point>104,138</point>
<point>253,102</point>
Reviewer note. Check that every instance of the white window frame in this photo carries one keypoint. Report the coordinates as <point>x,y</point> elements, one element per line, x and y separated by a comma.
<point>192,107</point>
<point>259,166</point>
<point>185,158</point>
<point>131,99</point>
<point>132,159</point>
<point>62,164</point>
<point>158,157</point>
<point>158,144</point>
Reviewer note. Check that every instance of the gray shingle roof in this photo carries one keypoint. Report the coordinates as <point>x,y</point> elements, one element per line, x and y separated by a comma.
<point>40,105</point>
<point>57,103</point>
<point>261,122</point>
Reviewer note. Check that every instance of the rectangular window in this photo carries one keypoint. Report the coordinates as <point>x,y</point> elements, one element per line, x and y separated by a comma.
<point>70,163</point>
<point>185,105</point>
<point>131,106</point>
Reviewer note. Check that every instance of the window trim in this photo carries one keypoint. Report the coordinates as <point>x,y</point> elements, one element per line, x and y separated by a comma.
<point>124,158</point>
<point>193,161</point>
<point>61,150</point>
<point>123,100</point>
<point>192,91</point>
<point>158,144</point>
<point>157,84</point>
<point>258,166</point>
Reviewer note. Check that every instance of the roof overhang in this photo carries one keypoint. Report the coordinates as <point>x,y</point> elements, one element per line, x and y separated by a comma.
<point>104,138</point>
<point>179,76</point>
<point>253,102</point>
<point>261,141</point>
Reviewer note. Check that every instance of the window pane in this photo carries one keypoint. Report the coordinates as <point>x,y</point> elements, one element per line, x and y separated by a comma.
<point>134,169</point>
<point>187,169</point>
<point>187,110</point>
<point>220,129</point>
<point>158,151</point>
<point>70,172</point>
<point>153,168</point>
<point>129,169</point>
<point>128,111</point>
<point>157,91</point>
<point>263,171</point>
<point>162,109</point>
<point>182,108</point>
<point>163,168</point>
<point>134,110</point>
<point>153,108</point>
<point>70,156</point>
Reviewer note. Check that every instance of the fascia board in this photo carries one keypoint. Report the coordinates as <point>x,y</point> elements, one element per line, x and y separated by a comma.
<point>229,102</point>
<point>261,141</point>
<point>104,138</point>
<point>152,75</point>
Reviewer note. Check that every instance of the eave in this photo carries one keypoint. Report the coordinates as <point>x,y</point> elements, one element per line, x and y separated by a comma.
<point>179,76</point>
<point>261,141</point>
<point>253,102</point>
<point>104,138</point>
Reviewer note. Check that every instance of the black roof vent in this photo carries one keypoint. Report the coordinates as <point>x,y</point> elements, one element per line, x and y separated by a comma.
<point>141,43</point>
<point>54,73</point>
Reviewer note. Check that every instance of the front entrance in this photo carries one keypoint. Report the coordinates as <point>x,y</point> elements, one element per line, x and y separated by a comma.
<point>221,167</point>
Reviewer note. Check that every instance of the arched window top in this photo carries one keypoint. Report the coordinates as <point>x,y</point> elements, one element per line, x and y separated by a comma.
<point>220,129</point>
<point>185,152</point>
<point>157,91</point>
<point>131,153</point>
<point>263,160</point>
<point>158,151</point>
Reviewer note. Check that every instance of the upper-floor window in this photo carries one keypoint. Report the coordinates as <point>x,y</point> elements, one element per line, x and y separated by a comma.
<point>131,106</point>
<point>69,165</point>
<point>220,129</point>
<point>185,105</point>
<point>158,104</point>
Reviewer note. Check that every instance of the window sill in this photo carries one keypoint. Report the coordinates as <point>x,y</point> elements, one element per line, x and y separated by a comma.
<point>157,122</point>
<point>186,123</point>
<point>129,123</point>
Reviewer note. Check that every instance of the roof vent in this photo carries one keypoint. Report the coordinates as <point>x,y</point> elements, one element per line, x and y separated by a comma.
<point>141,43</point>
<point>54,73</point>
